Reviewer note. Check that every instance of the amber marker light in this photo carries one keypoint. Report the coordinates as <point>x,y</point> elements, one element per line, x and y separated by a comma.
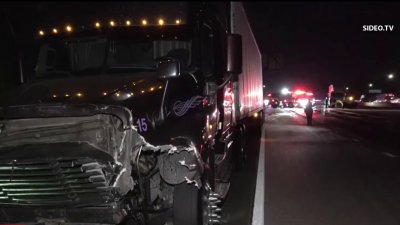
<point>68,28</point>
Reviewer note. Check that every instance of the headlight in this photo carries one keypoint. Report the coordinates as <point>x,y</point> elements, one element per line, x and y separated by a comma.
<point>303,102</point>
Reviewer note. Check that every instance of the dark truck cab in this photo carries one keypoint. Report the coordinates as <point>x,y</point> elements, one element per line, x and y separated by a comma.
<point>124,123</point>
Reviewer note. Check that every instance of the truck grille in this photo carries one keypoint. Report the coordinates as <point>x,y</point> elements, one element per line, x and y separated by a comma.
<point>55,182</point>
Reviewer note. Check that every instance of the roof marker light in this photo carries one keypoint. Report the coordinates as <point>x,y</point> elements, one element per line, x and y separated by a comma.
<point>68,28</point>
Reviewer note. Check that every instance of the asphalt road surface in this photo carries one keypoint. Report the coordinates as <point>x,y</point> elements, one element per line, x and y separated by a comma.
<point>345,169</point>
<point>238,207</point>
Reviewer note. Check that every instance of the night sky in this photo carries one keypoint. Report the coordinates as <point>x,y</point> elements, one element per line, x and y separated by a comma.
<point>322,43</point>
<point>315,43</point>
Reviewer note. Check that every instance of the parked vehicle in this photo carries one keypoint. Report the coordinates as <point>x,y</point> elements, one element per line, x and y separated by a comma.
<point>273,99</point>
<point>342,100</point>
<point>122,122</point>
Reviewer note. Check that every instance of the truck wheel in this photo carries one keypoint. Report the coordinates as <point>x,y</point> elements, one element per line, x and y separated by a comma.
<point>187,207</point>
<point>130,220</point>
<point>262,117</point>
<point>240,154</point>
<point>193,206</point>
<point>339,105</point>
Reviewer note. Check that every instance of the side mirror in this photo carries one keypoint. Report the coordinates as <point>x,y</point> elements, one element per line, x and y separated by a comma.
<point>234,54</point>
<point>168,68</point>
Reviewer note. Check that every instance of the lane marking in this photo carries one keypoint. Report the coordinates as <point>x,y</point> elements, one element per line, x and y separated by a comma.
<point>389,154</point>
<point>258,208</point>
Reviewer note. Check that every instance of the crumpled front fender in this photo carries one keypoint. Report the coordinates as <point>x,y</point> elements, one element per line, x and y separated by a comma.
<point>182,163</point>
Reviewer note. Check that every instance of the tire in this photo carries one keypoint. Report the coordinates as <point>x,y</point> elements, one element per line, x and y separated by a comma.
<point>130,220</point>
<point>187,207</point>
<point>262,117</point>
<point>239,152</point>
<point>339,105</point>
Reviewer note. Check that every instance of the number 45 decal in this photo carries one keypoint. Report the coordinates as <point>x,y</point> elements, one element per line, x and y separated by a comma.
<point>142,124</point>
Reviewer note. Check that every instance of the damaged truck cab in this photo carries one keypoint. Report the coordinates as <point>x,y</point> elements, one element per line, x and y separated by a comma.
<point>131,121</point>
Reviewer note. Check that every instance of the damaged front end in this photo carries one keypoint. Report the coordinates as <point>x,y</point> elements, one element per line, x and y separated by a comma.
<point>86,164</point>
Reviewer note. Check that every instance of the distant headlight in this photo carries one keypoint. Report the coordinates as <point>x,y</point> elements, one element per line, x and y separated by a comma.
<point>303,102</point>
<point>351,98</point>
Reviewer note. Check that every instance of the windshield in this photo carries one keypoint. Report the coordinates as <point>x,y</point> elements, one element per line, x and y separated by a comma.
<point>95,55</point>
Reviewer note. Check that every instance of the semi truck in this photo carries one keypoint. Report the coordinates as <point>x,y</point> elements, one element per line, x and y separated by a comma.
<point>132,113</point>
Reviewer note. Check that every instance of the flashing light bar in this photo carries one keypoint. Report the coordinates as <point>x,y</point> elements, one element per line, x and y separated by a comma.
<point>299,92</point>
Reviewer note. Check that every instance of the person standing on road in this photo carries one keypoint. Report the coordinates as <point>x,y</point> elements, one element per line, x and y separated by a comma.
<point>308,110</point>
<point>326,102</point>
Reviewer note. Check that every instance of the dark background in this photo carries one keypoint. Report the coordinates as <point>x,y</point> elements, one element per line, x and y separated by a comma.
<point>319,43</point>
<point>304,44</point>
